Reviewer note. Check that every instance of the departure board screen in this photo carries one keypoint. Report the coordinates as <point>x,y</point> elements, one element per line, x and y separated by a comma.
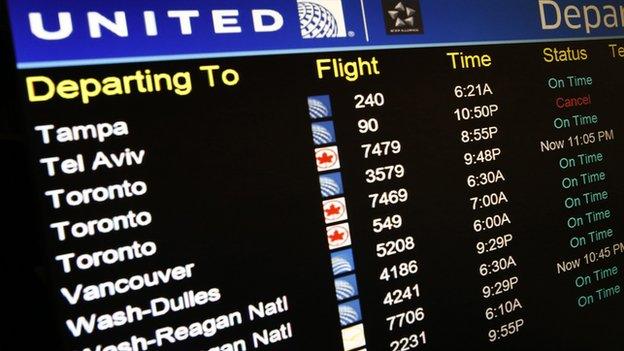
<point>336,175</point>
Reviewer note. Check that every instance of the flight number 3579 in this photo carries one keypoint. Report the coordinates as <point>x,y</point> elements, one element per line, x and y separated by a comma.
<point>380,174</point>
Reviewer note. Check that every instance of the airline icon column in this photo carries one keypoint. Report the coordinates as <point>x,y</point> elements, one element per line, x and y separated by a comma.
<point>335,213</point>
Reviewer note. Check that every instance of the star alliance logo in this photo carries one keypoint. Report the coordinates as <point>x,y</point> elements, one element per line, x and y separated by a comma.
<point>402,17</point>
<point>321,19</point>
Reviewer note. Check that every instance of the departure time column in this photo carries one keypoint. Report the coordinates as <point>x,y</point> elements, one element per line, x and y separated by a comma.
<point>479,117</point>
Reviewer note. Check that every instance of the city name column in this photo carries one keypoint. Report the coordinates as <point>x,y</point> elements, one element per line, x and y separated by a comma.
<point>120,285</point>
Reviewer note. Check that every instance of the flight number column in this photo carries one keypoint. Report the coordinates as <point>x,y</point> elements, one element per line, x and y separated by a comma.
<point>385,173</point>
<point>376,172</point>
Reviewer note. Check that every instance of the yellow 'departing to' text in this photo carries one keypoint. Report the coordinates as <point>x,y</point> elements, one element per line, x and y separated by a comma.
<point>42,88</point>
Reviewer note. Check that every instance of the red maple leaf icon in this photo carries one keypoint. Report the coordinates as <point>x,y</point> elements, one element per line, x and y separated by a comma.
<point>333,210</point>
<point>325,158</point>
<point>336,236</point>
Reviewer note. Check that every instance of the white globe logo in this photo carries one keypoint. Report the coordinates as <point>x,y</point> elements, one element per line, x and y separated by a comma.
<point>317,108</point>
<point>316,21</point>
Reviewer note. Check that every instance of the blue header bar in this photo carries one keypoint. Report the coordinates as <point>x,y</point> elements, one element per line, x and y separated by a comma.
<point>69,32</point>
